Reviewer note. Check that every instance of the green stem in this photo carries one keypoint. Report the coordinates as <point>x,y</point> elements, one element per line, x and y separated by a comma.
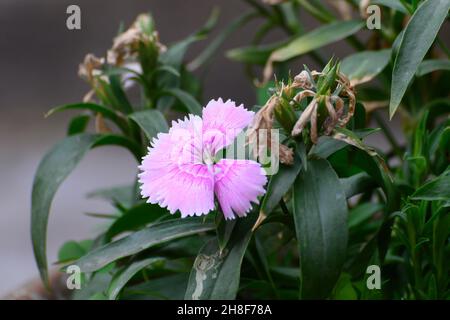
<point>284,207</point>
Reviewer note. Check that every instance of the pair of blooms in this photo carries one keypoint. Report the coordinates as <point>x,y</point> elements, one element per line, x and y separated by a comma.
<point>181,170</point>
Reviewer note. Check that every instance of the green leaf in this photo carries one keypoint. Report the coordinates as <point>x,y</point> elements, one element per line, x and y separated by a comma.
<point>362,213</point>
<point>151,122</point>
<point>419,35</point>
<point>78,124</point>
<point>436,189</point>
<point>53,169</point>
<point>279,184</point>
<point>216,273</point>
<point>252,54</point>
<point>393,4</point>
<point>315,39</point>
<point>175,54</point>
<point>363,66</point>
<point>209,52</point>
<point>356,184</point>
<point>138,216</point>
<point>428,66</point>
<point>170,287</point>
<point>154,234</point>
<point>123,276</point>
<point>186,99</point>
<point>123,195</point>
<point>326,146</point>
<point>96,108</point>
<point>56,165</point>
<point>72,250</point>
<point>320,215</point>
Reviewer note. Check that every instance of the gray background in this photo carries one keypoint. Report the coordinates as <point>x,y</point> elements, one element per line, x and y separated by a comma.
<point>39,59</point>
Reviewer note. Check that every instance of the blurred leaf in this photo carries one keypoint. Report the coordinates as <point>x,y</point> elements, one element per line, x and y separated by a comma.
<point>428,66</point>
<point>188,101</point>
<point>151,122</point>
<point>326,146</point>
<point>344,289</point>
<point>95,288</point>
<point>279,184</point>
<point>175,54</point>
<point>320,215</point>
<point>135,218</point>
<point>393,4</point>
<point>72,250</point>
<point>363,212</point>
<point>357,184</point>
<point>123,195</point>
<point>166,287</point>
<point>315,39</point>
<point>78,124</point>
<point>436,189</point>
<point>252,54</point>
<point>216,273</point>
<point>419,35</point>
<point>96,108</point>
<point>207,55</point>
<point>121,278</point>
<point>150,236</point>
<point>363,66</point>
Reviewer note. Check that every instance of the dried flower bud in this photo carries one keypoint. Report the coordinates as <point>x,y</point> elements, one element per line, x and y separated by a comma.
<point>302,80</point>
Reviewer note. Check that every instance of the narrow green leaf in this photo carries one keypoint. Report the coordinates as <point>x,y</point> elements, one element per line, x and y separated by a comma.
<point>393,4</point>
<point>123,195</point>
<point>320,215</point>
<point>78,124</point>
<point>135,218</point>
<point>216,273</point>
<point>252,54</point>
<point>428,66</point>
<point>279,184</point>
<point>419,35</point>
<point>151,122</point>
<point>53,169</point>
<point>186,99</point>
<point>96,108</point>
<point>315,39</point>
<point>154,234</point>
<point>436,189</point>
<point>212,48</point>
<point>56,165</point>
<point>363,66</point>
<point>123,276</point>
<point>357,184</point>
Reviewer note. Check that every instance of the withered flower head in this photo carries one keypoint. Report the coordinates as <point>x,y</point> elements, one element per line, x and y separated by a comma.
<point>327,93</point>
<point>126,44</point>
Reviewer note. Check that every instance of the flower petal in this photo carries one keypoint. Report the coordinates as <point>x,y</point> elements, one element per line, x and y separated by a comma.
<point>223,121</point>
<point>238,183</point>
<point>173,174</point>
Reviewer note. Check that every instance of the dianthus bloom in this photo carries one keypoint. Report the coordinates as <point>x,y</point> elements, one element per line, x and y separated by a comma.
<point>181,171</point>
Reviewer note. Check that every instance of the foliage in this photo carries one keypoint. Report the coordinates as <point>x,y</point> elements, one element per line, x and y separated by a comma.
<point>337,208</point>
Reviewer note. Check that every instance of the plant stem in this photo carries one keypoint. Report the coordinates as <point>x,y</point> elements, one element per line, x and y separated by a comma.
<point>283,206</point>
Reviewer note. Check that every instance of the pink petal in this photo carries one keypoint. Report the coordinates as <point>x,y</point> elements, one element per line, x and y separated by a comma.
<point>223,121</point>
<point>238,183</point>
<point>173,175</point>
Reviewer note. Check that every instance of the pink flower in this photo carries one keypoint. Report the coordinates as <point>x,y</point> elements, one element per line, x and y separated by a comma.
<point>181,171</point>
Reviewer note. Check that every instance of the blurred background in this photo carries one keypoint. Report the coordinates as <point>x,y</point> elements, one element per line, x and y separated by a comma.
<point>39,60</point>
